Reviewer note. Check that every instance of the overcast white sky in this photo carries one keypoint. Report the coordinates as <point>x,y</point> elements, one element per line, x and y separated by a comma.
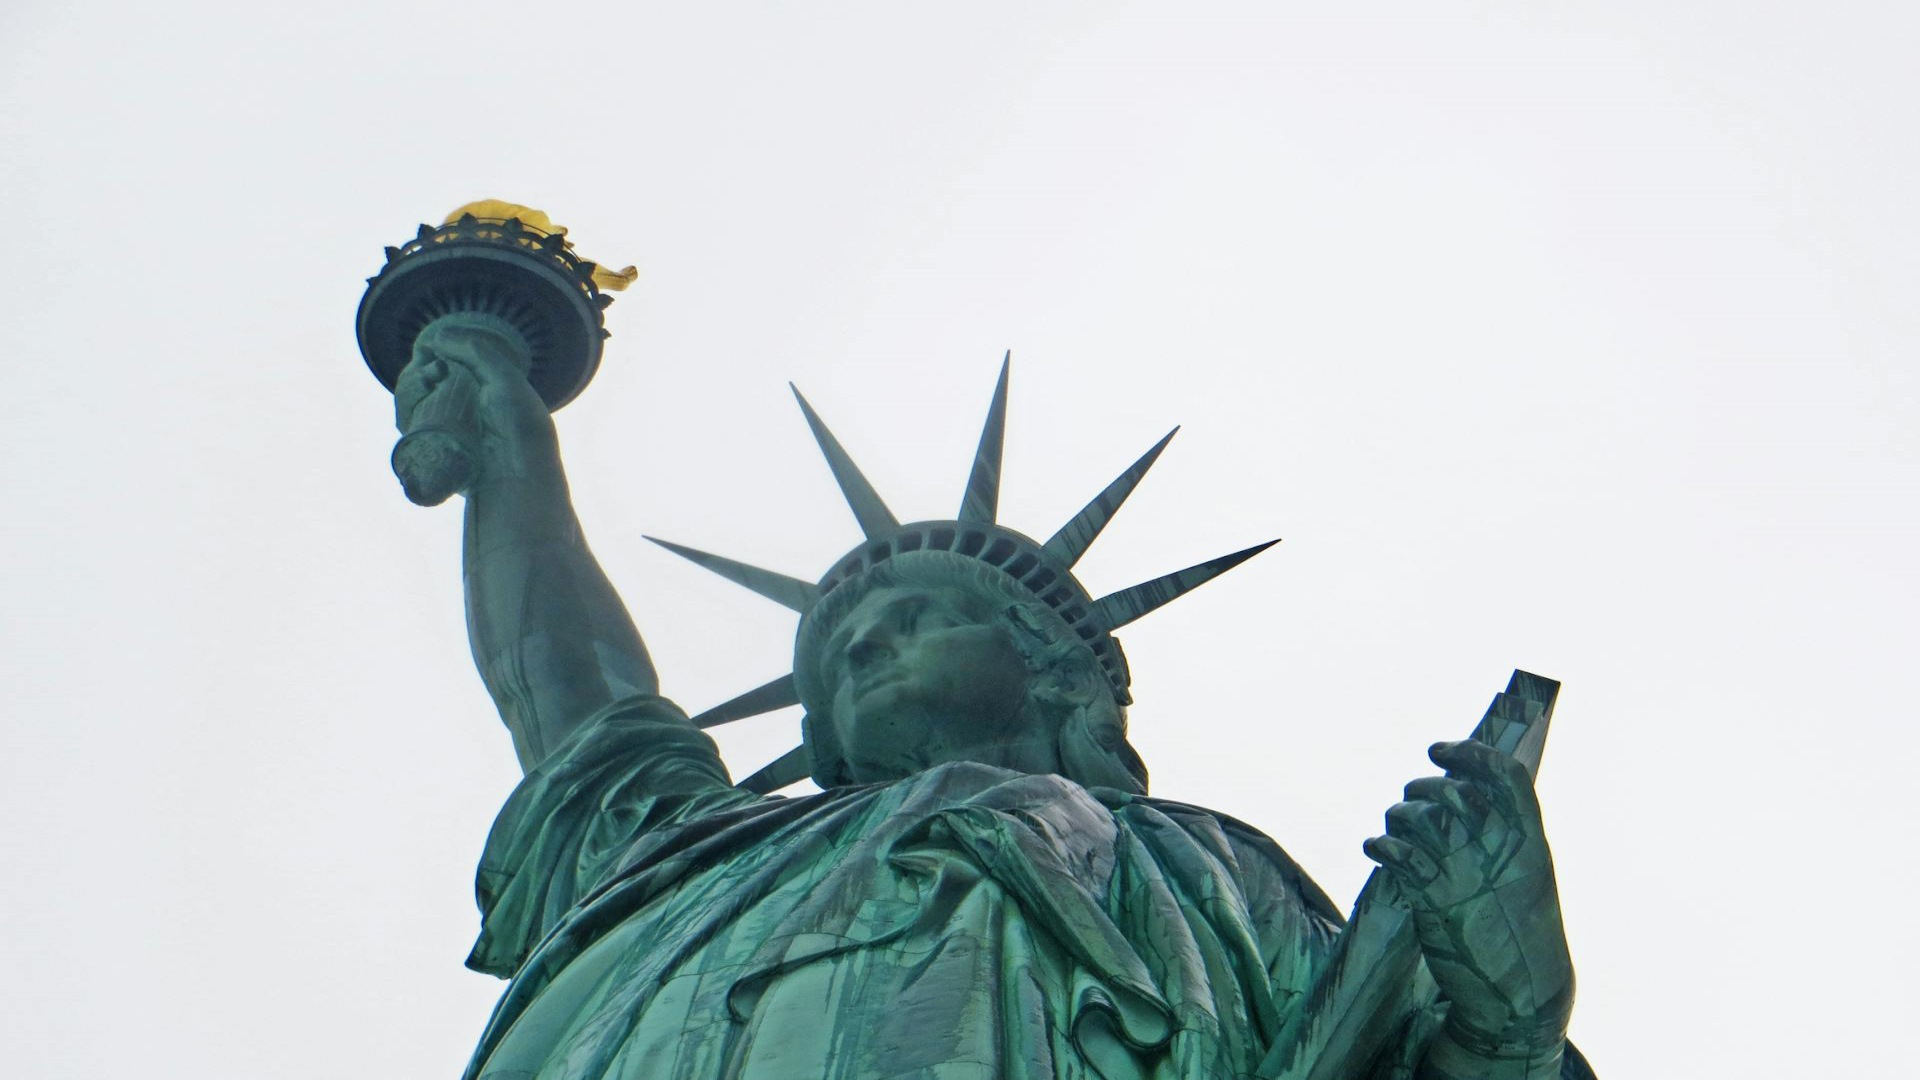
<point>1576,337</point>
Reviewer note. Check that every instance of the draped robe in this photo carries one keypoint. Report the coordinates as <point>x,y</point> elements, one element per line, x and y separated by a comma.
<point>965,923</point>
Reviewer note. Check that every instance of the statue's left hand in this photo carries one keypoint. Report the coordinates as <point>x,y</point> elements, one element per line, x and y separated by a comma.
<point>1469,855</point>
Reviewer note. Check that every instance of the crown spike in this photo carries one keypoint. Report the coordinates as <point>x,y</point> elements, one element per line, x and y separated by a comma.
<point>1116,610</point>
<point>982,500</point>
<point>789,768</point>
<point>787,591</point>
<point>777,694</point>
<point>1076,536</point>
<point>873,515</point>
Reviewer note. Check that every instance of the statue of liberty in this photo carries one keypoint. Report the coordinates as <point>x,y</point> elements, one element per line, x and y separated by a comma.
<point>983,888</point>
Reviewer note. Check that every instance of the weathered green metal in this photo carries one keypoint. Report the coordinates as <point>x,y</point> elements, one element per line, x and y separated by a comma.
<point>1377,977</point>
<point>868,509</point>
<point>982,500</point>
<point>1043,571</point>
<point>521,284</point>
<point>983,889</point>
<point>1076,536</point>
<point>788,592</point>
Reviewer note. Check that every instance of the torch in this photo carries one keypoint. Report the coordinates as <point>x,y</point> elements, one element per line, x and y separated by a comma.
<point>495,268</point>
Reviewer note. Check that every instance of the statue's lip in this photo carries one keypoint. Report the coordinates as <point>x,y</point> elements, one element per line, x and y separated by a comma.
<point>874,678</point>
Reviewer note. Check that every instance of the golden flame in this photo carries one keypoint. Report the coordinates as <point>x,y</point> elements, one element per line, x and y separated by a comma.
<point>499,212</point>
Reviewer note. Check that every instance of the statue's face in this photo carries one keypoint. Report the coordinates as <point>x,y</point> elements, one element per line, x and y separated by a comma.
<point>922,676</point>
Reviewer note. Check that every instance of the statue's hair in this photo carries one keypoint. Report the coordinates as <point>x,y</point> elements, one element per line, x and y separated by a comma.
<point>1068,686</point>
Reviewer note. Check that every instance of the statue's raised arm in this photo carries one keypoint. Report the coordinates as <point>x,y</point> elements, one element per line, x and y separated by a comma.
<point>551,638</point>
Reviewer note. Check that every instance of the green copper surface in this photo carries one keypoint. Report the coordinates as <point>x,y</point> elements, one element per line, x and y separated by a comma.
<point>1077,535</point>
<point>984,889</point>
<point>982,501</point>
<point>873,515</point>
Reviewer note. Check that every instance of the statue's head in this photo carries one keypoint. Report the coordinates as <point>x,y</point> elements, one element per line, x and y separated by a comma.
<point>960,640</point>
<point>932,656</point>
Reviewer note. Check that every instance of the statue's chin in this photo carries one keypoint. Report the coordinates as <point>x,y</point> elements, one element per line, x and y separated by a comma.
<point>905,761</point>
<point>895,729</point>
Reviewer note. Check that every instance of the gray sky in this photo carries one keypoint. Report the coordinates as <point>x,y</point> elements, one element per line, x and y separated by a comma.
<point>1573,337</point>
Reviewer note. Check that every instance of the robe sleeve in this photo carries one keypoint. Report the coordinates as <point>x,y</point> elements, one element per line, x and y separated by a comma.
<point>636,767</point>
<point>1297,924</point>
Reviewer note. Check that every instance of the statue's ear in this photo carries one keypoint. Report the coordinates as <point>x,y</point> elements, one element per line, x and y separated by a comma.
<point>1075,677</point>
<point>1094,752</point>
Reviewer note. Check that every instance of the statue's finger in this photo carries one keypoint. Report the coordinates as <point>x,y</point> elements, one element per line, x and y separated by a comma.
<point>1465,755</point>
<point>1479,761</point>
<point>1455,795</point>
<point>1427,825</point>
<point>1497,776</point>
<point>413,376</point>
<point>484,357</point>
<point>1403,859</point>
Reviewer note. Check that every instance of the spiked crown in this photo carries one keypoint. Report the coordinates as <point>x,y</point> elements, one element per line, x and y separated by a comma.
<point>1043,571</point>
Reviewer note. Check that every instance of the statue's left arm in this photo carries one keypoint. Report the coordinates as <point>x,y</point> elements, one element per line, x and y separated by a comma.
<point>1468,853</point>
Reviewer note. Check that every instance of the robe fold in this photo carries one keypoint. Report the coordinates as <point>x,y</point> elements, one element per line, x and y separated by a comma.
<point>964,923</point>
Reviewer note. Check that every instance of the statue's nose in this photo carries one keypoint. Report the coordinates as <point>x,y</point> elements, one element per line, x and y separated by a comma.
<point>870,647</point>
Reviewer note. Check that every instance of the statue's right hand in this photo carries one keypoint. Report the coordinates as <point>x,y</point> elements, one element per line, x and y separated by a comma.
<point>473,380</point>
<point>418,380</point>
